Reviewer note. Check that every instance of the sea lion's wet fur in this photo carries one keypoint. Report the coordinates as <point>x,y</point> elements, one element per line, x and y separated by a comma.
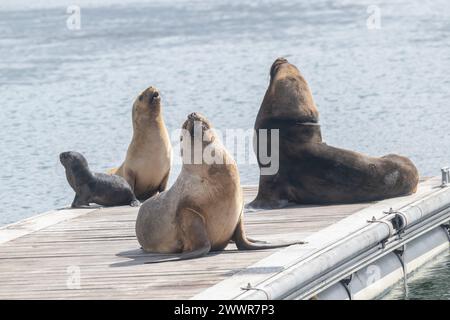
<point>310,171</point>
<point>99,188</point>
<point>201,212</point>
<point>148,159</point>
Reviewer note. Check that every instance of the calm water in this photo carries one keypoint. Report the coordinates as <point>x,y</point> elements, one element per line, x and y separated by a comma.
<point>378,91</point>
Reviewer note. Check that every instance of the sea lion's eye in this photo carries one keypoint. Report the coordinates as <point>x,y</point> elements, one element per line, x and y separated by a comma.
<point>140,97</point>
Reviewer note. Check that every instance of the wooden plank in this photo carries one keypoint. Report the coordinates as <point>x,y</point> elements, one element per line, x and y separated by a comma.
<point>36,262</point>
<point>39,222</point>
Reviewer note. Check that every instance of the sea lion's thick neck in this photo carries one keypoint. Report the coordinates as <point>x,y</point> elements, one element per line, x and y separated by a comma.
<point>145,122</point>
<point>145,125</point>
<point>308,132</point>
<point>210,174</point>
<point>145,115</point>
<point>79,175</point>
<point>213,157</point>
<point>302,130</point>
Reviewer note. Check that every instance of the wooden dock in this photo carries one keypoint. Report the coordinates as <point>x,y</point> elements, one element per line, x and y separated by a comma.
<point>94,254</point>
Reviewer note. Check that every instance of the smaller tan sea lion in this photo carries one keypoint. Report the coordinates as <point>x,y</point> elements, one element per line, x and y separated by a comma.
<point>147,163</point>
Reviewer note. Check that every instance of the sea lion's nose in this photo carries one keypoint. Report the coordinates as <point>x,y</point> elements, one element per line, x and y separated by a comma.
<point>154,95</point>
<point>63,156</point>
<point>281,60</point>
<point>193,116</point>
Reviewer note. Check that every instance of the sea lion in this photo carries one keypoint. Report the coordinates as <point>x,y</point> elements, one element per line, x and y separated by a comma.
<point>99,188</point>
<point>203,210</point>
<point>310,171</point>
<point>148,159</point>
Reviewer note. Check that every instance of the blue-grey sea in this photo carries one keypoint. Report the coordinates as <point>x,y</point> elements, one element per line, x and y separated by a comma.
<point>380,76</point>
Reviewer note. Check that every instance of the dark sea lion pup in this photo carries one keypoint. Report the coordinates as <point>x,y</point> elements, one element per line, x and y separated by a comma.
<point>203,210</point>
<point>310,171</point>
<point>99,188</point>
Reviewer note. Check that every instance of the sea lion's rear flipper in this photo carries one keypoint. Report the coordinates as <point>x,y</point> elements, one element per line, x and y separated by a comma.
<point>185,255</point>
<point>251,240</point>
<point>243,243</point>
<point>194,237</point>
<point>256,240</point>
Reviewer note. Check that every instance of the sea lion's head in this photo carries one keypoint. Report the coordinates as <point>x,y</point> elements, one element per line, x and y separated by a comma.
<point>72,159</point>
<point>197,135</point>
<point>147,105</point>
<point>276,65</point>
<point>288,97</point>
<point>76,166</point>
<point>199,128</point>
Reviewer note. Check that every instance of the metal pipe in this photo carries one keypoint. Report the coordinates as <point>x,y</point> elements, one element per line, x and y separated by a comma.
<point>373,255</point>
<point>293,278</point>
<point>300,275</point>
<point>375,279</point>
<point>427,206</point>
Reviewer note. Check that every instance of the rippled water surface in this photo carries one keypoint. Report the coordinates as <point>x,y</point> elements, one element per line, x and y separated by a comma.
<point>378,91</point>
<point>429,282</point>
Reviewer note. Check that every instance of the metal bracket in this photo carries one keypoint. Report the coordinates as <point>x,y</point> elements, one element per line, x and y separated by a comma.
<point>346,284</point>
<point>446,227</point>
<point>250,287</point>
<point>400,253</point>
<point>389,225</point>
<point>445,177</point>
<point>399,221</point>
<point>375,220</point>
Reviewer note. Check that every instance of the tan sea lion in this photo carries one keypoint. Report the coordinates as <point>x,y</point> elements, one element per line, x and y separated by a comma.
<point>148,159</point>
<point>310,171</point>
<point>202,211</point>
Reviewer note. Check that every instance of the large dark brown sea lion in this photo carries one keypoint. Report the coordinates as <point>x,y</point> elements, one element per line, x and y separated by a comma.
<point>202,211</point>
<point>311,172</point>
<point>99,188</point>
<point>148,159</point>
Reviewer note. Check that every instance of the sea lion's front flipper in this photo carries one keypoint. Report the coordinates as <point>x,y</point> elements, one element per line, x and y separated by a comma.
<point>270,195</point>
<point>80,200</point>
<point>163,185</point>
<point>263,204</point>
<point>243,243</point>
<point>130,176</point>
<point>193,236</point>
<point>135,203</point>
